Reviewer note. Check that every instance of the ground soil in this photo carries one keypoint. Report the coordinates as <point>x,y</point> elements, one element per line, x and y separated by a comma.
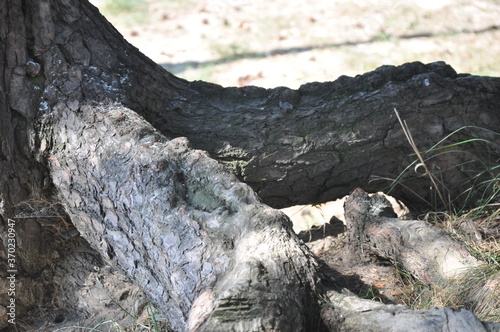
<point>288,43</point>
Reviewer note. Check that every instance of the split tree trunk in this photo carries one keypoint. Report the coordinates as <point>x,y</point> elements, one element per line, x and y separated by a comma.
<point>197,241</point>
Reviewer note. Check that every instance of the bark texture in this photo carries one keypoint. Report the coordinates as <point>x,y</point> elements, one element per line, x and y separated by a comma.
<point>317,143</point>
<point>194,238</point>
<point>94,133</point>
<point>292,146</point>
<point>363,315</point>
<point>428,253</point>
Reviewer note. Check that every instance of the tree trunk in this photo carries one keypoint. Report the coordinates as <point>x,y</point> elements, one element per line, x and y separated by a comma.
<point>198,241</point>
<point>93,133</point>
<point>288,158</point>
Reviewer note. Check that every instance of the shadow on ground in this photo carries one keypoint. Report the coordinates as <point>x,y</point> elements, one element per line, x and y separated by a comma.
<point>177,68</point>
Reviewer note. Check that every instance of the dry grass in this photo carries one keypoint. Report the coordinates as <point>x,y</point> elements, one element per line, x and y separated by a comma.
<point>478,289</point>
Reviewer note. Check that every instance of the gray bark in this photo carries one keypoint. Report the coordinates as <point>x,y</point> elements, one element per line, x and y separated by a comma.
<point>194,238</point>
<point>335,136</point>
<point>428,253</point>
<point>363,315</point>
<point>200,243</point>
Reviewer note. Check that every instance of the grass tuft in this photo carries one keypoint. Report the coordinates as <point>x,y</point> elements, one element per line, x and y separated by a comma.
<point>478,291</point>
<point>422,163</point>
<point>477,229</point>
<point>128,12</point>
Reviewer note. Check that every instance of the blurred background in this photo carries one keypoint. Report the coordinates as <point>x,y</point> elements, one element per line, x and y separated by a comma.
<point>289,42</point>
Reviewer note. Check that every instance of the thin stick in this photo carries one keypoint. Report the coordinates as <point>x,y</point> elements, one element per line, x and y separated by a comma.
<point>406,130</point>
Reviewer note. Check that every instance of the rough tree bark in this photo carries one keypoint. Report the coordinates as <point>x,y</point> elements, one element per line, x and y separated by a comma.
<point>93,129</point>
<point>289,159</point>
<point>430,255</point>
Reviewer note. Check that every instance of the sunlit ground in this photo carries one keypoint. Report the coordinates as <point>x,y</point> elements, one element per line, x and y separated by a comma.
<point>288,43</point>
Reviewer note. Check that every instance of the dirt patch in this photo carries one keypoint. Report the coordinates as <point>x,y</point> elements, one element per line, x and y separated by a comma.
<point>276,43</point>
<point>374,281</point>
<point>322,228</point>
